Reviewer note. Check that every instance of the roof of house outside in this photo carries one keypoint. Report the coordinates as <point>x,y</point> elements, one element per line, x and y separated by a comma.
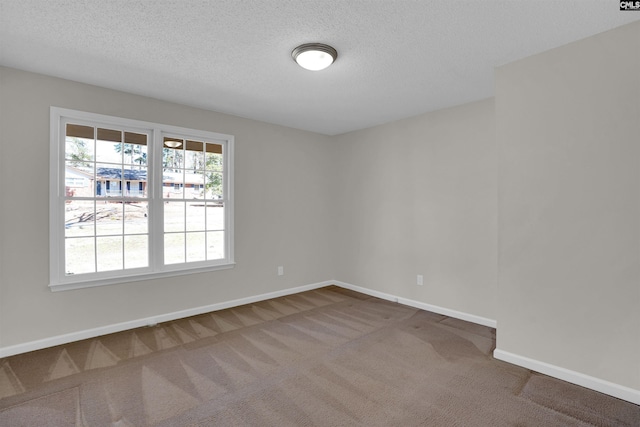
<point>139,175</point>
<point>117,173</point>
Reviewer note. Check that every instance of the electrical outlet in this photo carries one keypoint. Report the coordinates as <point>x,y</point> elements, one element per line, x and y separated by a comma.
<point>420,280</point>
<point>280,271</point>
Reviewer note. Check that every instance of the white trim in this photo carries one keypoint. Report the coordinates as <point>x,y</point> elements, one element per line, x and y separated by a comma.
<point>422,306</point>
<point>593,383</point>
<point>451,313</point>
<point>54,188</point>
<point>131,277</point>
<point>366,291</point>
<point>229,182</point>
<point>152,320</point>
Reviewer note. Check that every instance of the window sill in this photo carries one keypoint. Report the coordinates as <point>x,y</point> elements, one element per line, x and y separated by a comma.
<point>57,287</point>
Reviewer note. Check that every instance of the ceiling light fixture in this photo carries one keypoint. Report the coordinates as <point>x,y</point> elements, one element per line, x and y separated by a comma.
<point>314,56</point>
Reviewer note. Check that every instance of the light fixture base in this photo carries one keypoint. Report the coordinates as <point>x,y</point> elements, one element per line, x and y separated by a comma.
<point>314,56</point>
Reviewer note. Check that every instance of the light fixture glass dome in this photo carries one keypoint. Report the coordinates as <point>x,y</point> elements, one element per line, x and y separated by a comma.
<point>172,143</point>
<point>314,56</point>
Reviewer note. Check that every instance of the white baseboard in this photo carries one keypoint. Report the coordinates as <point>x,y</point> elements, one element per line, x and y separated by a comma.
<point>366,291</point>
<point>421,305</point>
<point>123,326</point>
<point>597,384</point>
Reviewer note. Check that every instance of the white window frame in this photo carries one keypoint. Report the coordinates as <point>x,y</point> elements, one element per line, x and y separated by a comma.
<point>58,280</point>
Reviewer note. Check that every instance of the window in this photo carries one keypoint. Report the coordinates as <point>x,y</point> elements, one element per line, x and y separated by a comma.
<point>134,200</point>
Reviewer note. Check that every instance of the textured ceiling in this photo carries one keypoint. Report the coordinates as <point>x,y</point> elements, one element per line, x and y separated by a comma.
<point>396,58</point>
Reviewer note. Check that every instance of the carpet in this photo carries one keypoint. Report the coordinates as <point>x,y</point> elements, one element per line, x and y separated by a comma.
<point>327,357</point>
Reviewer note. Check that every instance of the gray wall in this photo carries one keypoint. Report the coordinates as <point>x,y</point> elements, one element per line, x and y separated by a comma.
<point>568,129</point>
<point>418,196</point>
<point>282,211</point>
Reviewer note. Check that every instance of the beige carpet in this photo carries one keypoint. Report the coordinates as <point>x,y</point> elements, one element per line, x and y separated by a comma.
<point>328,357</point>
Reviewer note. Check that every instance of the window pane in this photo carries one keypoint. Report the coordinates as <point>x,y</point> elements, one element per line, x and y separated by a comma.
<point>196,249</point>
<point>79,256</point>
<point>214,185</point>
<point>113,135</point>
<point>215,216</point>
<point>215,245</point>
<point>79,151</point>
<point>136,218</point>
<point>79,218</point>
<point>109,146</point>
<point>195,216</point>
<point>173,143</point>
<point>193,185</point>
<point>136,251</point>
<point>135,138</point>
<point>78,180</point>
<point>109,253</point>
<point>173,158</point>
<point>194,155</point>
<point>135,148</point>
<point>172,185</point>
<point>213,157</point>
<point>80,131</point>
<point>108,218</point>
<point>108,180</point>
<point>174,216</point>
<point>135,181</point>
<point>174,248</point>
<point>135,154</point>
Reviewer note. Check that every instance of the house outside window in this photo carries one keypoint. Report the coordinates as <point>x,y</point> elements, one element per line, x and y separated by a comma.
<point>112,217</point>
